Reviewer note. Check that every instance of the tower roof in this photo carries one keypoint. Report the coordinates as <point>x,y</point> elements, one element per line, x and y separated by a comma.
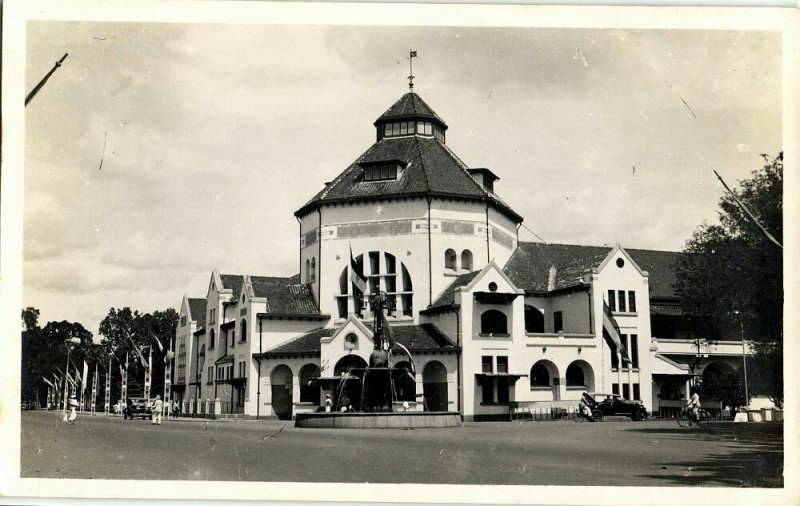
<point>409,105</point>
<point>422,166</point>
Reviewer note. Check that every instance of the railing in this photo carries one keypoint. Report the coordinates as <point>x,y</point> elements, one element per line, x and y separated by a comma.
<point>670,408</point>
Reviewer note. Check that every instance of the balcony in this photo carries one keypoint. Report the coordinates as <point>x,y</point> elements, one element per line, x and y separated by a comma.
<point>689,347</point>
<point>552,339</point>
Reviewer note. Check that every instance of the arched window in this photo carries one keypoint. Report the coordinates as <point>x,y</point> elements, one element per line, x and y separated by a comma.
<point>308,270</point>
<point>211,337</point>
<point>575,376</point>
<point>243,330</point>
<point>348,362</point>
<point>493,322</point>
<point>540,374</point>
<point>434,386</point>
<point>450,259</point>
<point>390,276</point>
<point>534,320</point>
<point>404,383</point>
<point>313,269</point>
<point>466,260</point>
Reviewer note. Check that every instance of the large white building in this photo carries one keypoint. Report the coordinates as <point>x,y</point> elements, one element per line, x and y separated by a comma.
<point>491,322</point>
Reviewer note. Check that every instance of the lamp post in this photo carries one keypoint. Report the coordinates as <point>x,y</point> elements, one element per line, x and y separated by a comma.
<point>72,341</point>
<point>744,358</point>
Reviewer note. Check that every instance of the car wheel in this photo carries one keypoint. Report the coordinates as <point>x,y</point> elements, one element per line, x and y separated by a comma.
<point>597,415</point>
<point>641,416</point>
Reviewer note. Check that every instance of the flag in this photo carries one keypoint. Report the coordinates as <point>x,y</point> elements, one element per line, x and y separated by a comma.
<point>169,356</point>
<point>48,381</point>
<point>413,54</point>
<point>85,376</point>
<point>71,381</point>
<point>160,347</point>
<point>612,330</point>
<point>139,353</point>
<point>356,274</point>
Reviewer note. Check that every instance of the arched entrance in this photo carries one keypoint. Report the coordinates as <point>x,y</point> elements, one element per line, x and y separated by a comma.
<point>349,392</point>
<point>309,390</point>
<point>544,376</point>
<point>281,380</point>
<point>434,386</point>
<point>405,386</point>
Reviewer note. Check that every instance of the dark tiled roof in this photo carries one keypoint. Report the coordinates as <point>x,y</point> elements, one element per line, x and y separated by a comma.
<point>430,169</point>
<point>306,344</point>
<point>425,337</point>
<point>529,266</point>
<point>284,296</point>
<point>197,311</point>
<point>447,297</point>
<point>234,282</point>
<point>409,105</point>
<point>295,280</point>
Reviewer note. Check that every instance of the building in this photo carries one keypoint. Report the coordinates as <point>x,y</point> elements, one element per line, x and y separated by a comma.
<point>489,321</point>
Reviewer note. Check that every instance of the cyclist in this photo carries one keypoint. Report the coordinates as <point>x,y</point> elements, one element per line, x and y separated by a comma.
<point>694,402</point>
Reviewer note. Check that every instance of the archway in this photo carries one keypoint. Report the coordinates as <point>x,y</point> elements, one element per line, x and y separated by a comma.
<point>434,386</point>
<point>405,386</point>
<point>308,392</point>
<point>580,375</point>
<point>494,322</point>
<point>544,376</point>
<point>281,380</point>
<point>348,362</point>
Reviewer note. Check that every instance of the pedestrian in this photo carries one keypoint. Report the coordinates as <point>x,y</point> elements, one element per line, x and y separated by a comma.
<point>176,409</point>
<point>158,408</point>
<point>328,403</point>
<point>73,415</point>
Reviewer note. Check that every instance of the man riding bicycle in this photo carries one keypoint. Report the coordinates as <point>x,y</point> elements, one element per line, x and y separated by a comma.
<point>694,402</point>
<point>585,405</point>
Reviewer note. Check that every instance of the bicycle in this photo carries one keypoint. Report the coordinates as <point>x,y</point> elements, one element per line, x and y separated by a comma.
<point>596,416</point>
<point>686,417</point>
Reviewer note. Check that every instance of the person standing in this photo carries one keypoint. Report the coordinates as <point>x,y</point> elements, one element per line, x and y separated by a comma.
<point>158,408</point>
<point>73,415</point>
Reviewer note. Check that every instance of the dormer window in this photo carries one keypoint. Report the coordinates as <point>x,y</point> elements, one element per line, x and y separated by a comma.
<point>382,171</point>
<point>412,127</point>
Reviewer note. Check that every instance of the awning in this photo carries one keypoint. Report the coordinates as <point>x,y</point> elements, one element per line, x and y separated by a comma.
<point>664,365</point>
<point>495,298</point>
<point>224,360</point>
<point>666,309</point>
<point>510,378</point>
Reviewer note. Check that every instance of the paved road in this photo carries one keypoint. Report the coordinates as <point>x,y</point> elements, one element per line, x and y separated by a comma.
<point>541,453</point>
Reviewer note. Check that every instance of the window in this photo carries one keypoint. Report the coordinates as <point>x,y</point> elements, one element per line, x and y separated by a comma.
<point>242,369</point>
<point>534,320</point>
<point>540,376</point>
<point>466,260</point>
<point>502,365</point>
<point>636,393</point>
<point>633,351</point>
<point>502,389</point>
<point>493,322</point>
<point>243,331</point>
<point>612,301</point>
<point>211,337</point>
<point>626,391</point>
<point>558,321</point>
<point>575,377</point>
<point>620,263</point>
<point>351,341</point>
<point>631,301</point>
<point>183,321</point>
<point>381,172</point>
<point>621,297</point>
<point>450,259</point>
<point>487,390</point>
<point>313,269</point>
<point>487,365</point>
<point>615,388</point>
<point>210,375</point>
<point>309,390</point>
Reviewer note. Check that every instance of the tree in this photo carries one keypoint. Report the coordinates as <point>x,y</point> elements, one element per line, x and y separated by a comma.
<point>732,275</point>
<point>30,318</point>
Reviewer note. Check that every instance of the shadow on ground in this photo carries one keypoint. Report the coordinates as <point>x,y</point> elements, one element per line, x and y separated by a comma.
<point>753,455</point>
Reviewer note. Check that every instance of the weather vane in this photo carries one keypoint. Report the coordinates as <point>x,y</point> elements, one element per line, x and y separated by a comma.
<point>411,56</point>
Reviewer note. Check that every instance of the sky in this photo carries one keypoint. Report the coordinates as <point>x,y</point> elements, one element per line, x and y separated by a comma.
<point>211,136</point>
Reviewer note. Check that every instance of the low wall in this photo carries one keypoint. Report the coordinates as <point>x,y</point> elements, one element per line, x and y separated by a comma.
<point>399,420</point>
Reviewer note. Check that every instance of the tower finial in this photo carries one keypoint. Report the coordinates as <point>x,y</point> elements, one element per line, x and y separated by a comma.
<point>411,56</point>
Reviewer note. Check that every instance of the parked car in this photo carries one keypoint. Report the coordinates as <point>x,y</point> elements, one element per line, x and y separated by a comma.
<point>137,406</point>
<point>615,405</point>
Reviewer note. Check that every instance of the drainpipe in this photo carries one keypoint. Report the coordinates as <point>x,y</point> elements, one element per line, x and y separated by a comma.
<point>258,383</point>
<point>488,256</point>
<point>518,225</point>
<point>317,277</point>
<point>459,362</point>
<point>300,253</point>
<point>430,258</point>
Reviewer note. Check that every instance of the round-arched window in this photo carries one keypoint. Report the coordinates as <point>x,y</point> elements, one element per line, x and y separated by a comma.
<point>540,376</point>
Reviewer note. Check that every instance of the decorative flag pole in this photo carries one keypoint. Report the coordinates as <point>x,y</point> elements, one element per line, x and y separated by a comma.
<point>168,378</point>
<point>125,381</point>
<point>94,387</point>
<point>107,407</point>
<point>147,372</point>
<point>411,56</point>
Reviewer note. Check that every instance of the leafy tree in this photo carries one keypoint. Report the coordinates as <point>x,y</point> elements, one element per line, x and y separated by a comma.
<point>30,318</point>
<point>732,276</point>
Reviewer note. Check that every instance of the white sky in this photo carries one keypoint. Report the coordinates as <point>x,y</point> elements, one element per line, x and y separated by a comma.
<point>216,134</point>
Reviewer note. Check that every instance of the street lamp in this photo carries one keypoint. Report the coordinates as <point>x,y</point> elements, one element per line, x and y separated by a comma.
<point>744,358</point>
<point>72,341</point>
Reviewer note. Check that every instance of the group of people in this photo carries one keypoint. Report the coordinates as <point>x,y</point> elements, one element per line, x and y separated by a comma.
<point>156,407</point>
<point>587,403</point>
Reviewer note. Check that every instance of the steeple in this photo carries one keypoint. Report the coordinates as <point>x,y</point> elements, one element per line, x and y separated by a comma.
<point>410,115</point>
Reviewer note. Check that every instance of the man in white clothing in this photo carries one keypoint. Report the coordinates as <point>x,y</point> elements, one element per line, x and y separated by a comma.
<point>158,408</point>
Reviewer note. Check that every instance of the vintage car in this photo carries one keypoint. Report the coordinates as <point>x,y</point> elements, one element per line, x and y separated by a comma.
<point>137,406</point>
<point>615,405</point>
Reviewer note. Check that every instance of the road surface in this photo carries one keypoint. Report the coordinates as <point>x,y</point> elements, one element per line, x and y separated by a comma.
<point>614,453</point>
